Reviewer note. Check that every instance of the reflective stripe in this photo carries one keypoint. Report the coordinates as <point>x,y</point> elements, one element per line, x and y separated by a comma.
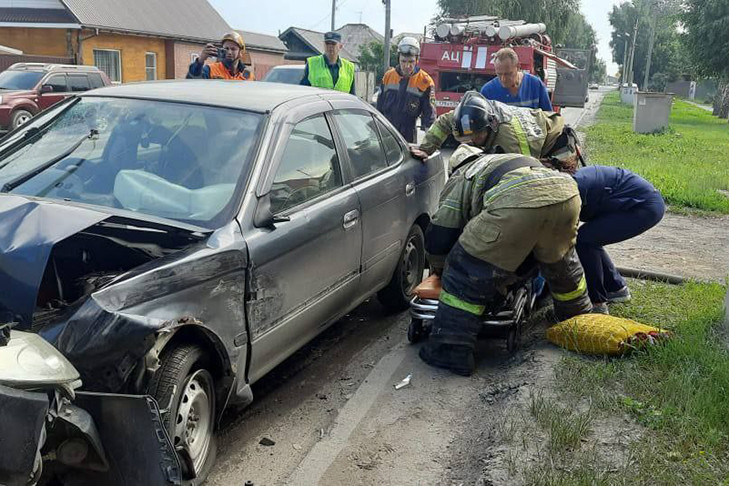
<point>457,303</point>
<point>581,288</point>
<point>521,136</point>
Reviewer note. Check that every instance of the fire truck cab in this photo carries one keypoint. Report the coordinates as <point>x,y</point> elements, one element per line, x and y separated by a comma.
<point>462,59</point>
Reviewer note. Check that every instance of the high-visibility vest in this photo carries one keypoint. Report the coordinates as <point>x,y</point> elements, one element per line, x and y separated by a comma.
<point>219,71</point>
<point>321,77</point>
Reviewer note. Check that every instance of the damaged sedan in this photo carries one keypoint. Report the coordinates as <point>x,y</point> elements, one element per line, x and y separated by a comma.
<point>174,242</point>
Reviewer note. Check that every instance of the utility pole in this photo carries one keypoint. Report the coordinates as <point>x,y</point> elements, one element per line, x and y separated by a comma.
<point>632,54</point>
<point>654,22</point>
<point>387,35</point>
<point>334,12</point>
<point>624,73</point>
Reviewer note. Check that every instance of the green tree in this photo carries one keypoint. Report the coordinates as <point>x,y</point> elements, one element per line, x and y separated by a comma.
<point>706,24</point>
<point>370,58</point>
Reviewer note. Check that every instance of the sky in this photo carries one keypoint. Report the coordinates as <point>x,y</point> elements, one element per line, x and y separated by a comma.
<point>274,16</point>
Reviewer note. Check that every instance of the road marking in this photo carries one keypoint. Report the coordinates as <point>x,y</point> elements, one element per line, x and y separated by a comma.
<point>322,455</point>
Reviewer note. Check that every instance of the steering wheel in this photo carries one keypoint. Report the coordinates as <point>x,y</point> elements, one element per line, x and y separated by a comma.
<point>296,191</point>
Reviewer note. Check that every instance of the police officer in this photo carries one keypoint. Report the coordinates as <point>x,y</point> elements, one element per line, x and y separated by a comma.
<point>232,66</point>
<point>406,92</point>
<point>496,211</point>
<point>508,129</point>
<point>330,70</point>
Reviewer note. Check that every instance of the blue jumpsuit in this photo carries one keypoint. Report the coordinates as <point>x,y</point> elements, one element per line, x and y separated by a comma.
<point>616,205</point>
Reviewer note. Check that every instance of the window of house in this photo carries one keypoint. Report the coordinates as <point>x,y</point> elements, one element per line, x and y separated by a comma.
<point>150,65</point>
<point>309,166</point>
<point>78,82</point>
<point>109,61</point>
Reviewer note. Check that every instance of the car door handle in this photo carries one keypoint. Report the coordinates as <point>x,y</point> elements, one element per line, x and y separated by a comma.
<point>350,219</point>
<point>410,189</point>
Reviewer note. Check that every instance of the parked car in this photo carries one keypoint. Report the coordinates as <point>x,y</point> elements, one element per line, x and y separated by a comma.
<point>287,74</point>
<point>594,86</point>
<point>28,88</point>
<point>180,239</point>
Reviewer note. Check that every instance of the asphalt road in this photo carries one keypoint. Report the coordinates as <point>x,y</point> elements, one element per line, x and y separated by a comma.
<point>336,418</point>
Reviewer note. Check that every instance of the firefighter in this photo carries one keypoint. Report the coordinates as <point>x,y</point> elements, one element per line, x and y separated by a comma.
<point>406,92</point>
<point>496,212</point>
<point>514,87</point>
<point>231,67</point>
<point>330,70</point>
<point>508,129</point>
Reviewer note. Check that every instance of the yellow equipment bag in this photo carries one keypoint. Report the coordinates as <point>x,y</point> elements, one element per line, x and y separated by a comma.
<point>603,334</point>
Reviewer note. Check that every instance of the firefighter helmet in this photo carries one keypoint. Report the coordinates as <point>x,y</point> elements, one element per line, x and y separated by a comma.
<point>234,37</point>
<point>409,46</point>
<point>473,115</point>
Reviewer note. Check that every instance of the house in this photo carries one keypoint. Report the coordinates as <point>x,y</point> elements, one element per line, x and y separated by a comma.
<point>266,51</point>
<point>303,43</point>
<point>131,40</point>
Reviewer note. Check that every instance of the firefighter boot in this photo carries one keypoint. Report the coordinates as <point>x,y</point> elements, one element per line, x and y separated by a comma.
<point>455,358</point>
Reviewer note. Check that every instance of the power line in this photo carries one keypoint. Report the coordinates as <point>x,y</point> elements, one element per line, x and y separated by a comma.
<point>329,15</point>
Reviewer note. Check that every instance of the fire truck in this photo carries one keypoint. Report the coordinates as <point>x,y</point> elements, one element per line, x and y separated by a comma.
<point>462,58</point>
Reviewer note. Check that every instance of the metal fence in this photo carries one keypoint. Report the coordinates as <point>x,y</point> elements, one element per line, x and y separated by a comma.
<point>7,60</point>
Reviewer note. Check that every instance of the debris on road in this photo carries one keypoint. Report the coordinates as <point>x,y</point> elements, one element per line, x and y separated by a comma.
<point>405,382</point>
<point>296,446</point>
<point>267,442</point>
<point>321,396</point>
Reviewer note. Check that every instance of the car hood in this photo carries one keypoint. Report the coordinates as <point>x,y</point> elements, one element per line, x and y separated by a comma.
<point>28,231</point>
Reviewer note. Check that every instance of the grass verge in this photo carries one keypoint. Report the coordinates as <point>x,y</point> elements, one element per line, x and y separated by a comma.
<point>688,163</point>
<point>678,392</point>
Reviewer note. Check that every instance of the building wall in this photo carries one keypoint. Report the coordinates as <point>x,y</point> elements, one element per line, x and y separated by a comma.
<point>263,61</point>
<point>183,57</point>
<point>38,42</point>
<point>133,50</point>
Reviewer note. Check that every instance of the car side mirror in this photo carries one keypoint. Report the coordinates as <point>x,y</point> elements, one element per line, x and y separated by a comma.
<point>46,88</point>
<point>263,217</point>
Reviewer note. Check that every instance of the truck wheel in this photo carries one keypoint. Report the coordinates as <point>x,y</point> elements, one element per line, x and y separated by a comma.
<point>185,391</point>
<point>20,117</point>
<point>408,274</point>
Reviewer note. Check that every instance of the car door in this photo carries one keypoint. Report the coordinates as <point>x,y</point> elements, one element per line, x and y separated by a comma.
<point>53,90</point>
<point>383,192</point>
<point>304,267</point>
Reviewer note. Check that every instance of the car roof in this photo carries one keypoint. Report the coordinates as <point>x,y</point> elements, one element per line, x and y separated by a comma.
<point>244,95</point>
<point>289,66</point>
<point>49,67</point>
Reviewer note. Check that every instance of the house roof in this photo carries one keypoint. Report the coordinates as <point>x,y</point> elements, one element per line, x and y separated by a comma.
<point>36,15</point>
<point>193,20</point>
<point>356,35</point>
<point>262,41</point>
<point>315,40</point>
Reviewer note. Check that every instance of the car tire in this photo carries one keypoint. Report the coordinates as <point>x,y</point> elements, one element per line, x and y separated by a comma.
<point>408,273</point>
<point>185,391</point>
<point>20,117</point>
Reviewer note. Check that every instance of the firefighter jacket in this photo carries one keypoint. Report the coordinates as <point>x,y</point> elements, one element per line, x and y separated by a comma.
<point>320,76</point>
<point>523,131</point>
<point>217,70</point>
<point>465,201</point>
<point>403,99</point>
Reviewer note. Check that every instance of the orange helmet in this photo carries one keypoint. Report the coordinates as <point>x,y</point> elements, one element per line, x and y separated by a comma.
<point>235,37</point>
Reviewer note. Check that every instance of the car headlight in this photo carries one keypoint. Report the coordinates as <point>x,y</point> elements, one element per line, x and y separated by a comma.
<point>1,100</point>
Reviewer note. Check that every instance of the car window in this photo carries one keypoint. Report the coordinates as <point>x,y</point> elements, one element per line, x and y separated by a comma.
<point>95,80</point>
<point>309,166</point>
<point>363,144</point>
<point>393,150</point>
<point>19,79</point>
<point>57,82</point>
<point>171,160</point>
<point>284,75</point>
<point>78,82</point>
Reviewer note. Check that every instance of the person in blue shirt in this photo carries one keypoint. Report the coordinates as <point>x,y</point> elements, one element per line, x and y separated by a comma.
<point>515,87</point>
<point>616,205</point>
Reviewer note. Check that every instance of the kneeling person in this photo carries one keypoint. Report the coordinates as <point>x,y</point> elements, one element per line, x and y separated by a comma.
<point>495,211</point>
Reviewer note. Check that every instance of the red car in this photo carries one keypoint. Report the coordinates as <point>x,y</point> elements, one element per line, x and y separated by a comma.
<point>26,89</point>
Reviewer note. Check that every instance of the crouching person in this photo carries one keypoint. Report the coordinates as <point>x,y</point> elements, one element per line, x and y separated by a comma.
<point>496,211</point>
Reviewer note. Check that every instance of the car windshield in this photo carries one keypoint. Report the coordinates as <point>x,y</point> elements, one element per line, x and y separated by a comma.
<point>286,75</point>
<point>19,79</point>
<point>168,160</point>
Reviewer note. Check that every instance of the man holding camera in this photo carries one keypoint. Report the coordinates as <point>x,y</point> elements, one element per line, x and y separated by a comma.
<point>230,64</point>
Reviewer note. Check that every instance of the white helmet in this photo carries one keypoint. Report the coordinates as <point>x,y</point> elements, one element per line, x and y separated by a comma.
<point>409,46</point>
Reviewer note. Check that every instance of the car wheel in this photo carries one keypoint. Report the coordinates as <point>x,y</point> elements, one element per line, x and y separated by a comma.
<point>185,391</point>
<point>20,117</point>
<point>408,274</point>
